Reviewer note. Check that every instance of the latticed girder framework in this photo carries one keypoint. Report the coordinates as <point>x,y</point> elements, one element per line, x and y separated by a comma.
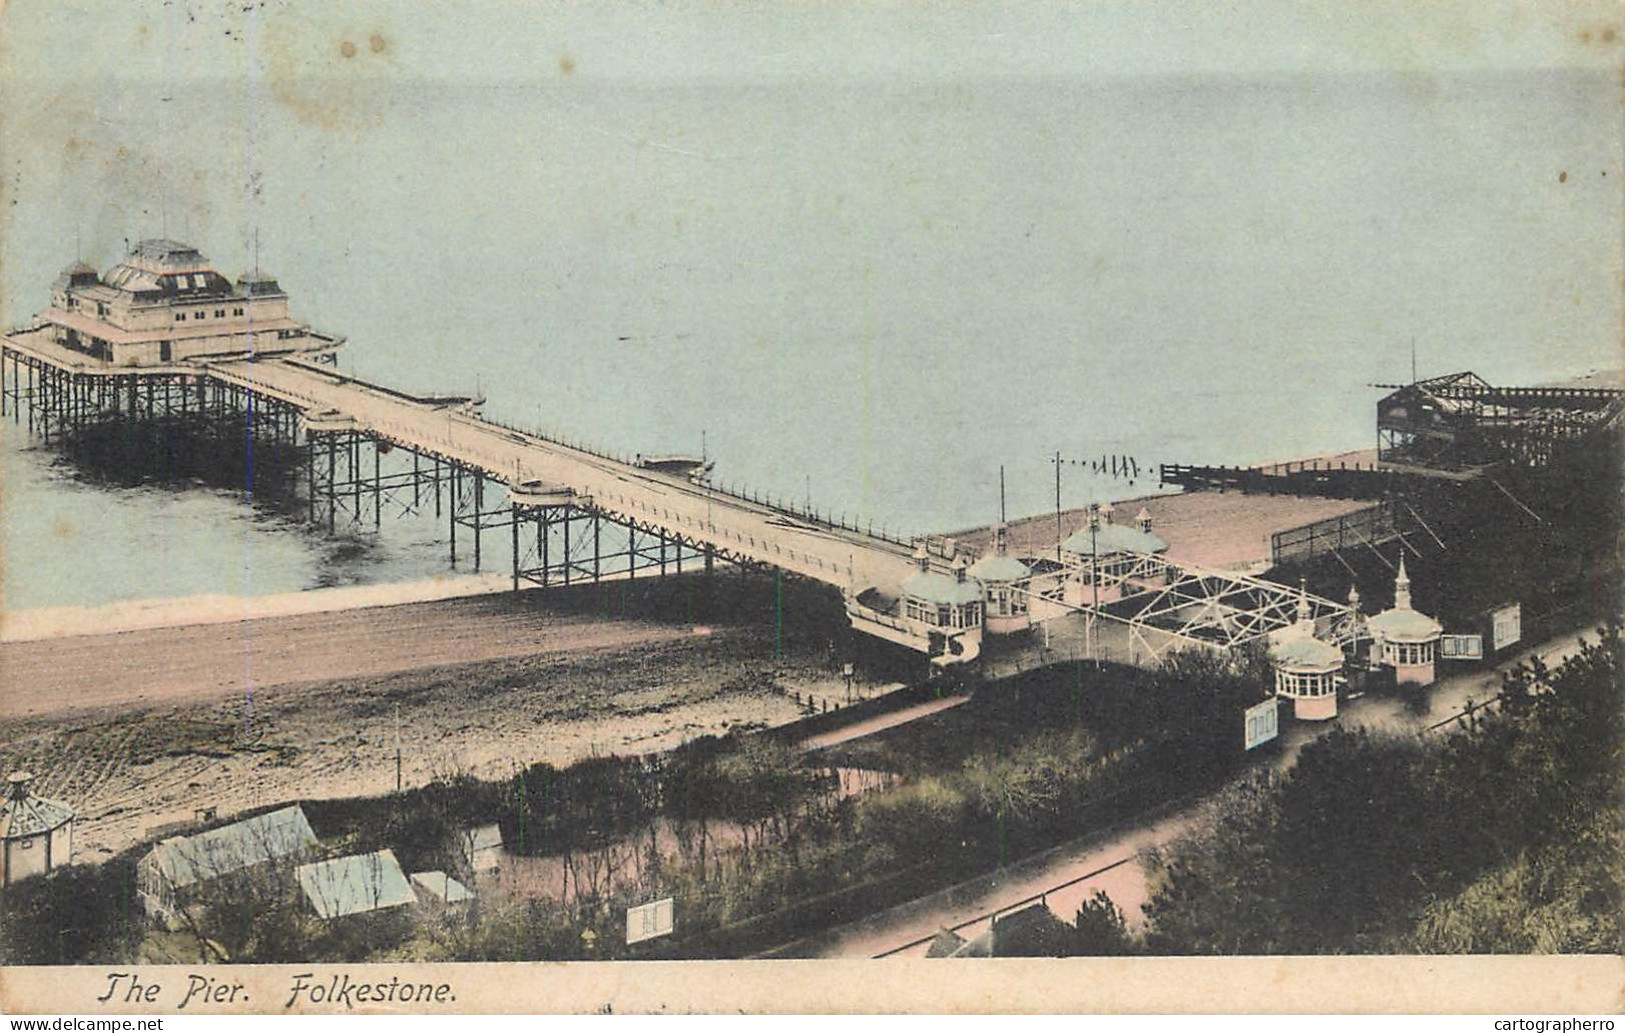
<point>1167,605</point>
<point>561,544</point>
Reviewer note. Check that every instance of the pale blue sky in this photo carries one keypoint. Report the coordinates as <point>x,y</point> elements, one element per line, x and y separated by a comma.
<point>910,40</point>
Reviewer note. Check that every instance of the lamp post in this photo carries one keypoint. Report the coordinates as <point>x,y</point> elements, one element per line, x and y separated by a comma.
<point>1094,575</point>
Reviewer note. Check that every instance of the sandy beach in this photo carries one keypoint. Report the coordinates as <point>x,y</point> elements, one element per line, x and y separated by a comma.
<point>139,729</point>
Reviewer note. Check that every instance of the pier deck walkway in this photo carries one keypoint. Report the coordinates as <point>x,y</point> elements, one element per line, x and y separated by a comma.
<point>733,526</point>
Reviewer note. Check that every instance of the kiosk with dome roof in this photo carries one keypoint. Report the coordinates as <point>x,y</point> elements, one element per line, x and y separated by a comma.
<point>1308,671</point>
<point>1404,638</point>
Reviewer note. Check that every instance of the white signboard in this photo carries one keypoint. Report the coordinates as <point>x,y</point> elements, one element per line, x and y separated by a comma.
<point>1263,722</point>
<point>1461,647</point>
<point>649,921</point>
<point>1508,625</point>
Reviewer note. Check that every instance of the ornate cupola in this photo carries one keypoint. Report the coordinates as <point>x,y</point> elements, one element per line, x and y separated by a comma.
<point>1307,670</point>
<point>1004,586</point>
<point>1406,640</point>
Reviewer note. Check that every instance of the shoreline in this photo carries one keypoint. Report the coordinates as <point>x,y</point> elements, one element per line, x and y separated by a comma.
<point>56,622</point>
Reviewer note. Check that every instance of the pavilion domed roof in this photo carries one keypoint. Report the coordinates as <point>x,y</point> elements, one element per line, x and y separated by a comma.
<point>1305,650</point>
<point>1404,625</point>
<point>999,566</point>
<point>1111,538</point>
<point>942,589</point>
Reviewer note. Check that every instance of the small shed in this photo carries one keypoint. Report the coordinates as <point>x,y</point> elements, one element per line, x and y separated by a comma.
<point>36,834</point>
<point>354,885</point>
<point>440,888</point>
<point>945,944</point>
<point>481,847</point>
<point>177,867</point>
<point>1031,932</point>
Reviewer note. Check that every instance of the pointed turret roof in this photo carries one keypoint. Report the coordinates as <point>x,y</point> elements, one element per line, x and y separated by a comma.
<point>23,814</point>
<point>1402,623</point>
<point>1295,646</point>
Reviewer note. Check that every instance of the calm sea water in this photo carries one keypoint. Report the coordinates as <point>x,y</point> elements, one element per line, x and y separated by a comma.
<point>875,295</point>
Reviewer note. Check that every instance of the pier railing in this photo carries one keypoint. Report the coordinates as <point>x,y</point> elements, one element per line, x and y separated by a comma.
<point>766,500</point>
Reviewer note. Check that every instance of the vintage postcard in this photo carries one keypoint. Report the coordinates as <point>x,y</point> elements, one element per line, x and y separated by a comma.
<point>790,507</point>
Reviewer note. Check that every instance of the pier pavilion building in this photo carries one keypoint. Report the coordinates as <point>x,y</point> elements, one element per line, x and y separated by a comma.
<point>165,303</point>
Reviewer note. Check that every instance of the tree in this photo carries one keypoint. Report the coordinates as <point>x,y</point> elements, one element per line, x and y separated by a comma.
<point>80,914</point>
<point>1101,929</point>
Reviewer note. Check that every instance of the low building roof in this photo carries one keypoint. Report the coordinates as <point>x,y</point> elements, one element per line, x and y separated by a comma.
<point>184,860</point>
<point>442,887</point>
<point>355,885</point>
<point>944,944</point>
<point>942,589</point>
<point>1404,625</point>
<point>1032,932</point>
<point>23,814</point>
<point>997,566</point>
<point>1306,651</point>
<point>1114,538</point>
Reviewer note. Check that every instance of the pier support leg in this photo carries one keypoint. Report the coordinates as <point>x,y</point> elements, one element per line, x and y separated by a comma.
<point>514,512</point>
<point>567,563</point>
<point>479,507</point>
<point>332,492</point>
<point>544,531</point>
<point>456,479</point>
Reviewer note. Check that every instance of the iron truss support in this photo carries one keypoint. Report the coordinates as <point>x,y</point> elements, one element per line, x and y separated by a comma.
<point>63,406</point>
<point>352,478</point>
<point>568,543</point>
